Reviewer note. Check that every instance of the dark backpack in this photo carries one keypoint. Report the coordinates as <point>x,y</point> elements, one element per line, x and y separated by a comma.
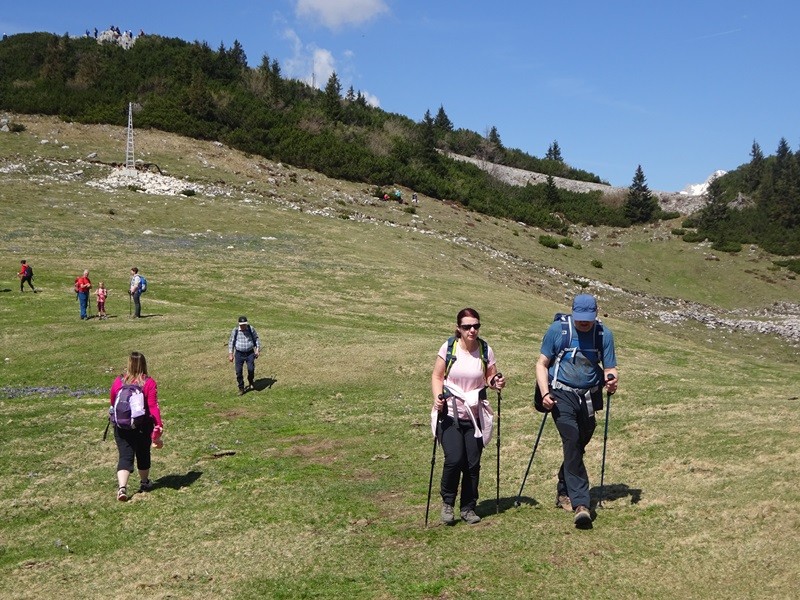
<point>129,410</point>
<point>565,349</point>
<point>28,271</point>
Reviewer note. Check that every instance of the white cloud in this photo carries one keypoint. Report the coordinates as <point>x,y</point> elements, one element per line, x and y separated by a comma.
<point>371,99</point>
<point>324,65</point>
<point>335,14</point>
<point>308,62</point>
<point>314,65</point>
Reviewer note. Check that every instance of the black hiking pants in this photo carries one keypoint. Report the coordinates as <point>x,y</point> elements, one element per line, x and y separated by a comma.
<point>462,461</point>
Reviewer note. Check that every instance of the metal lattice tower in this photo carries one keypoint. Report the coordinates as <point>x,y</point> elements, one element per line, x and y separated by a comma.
<point>130,164</point>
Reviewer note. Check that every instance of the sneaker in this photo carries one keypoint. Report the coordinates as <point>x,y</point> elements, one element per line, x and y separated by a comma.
<point>241,392</point>
<point>448,516</point>
<point>146,485</point>
<point>583,517</point>
<point>563,501</point>
<point>470,517</point>
<point>122,494</point>
<point>250,384</point>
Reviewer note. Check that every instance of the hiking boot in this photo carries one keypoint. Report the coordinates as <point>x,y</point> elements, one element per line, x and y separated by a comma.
<point>241,392</point>
<point>448,516</point>
<point>583,517</point>
<point>470,517</point>
<point>122,494</point>
<point>146,485</point>
<point>563,501</point>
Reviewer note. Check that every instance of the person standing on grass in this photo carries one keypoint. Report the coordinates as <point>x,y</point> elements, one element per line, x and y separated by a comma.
<point>136,292</point>
<point>135,443</point>
<point>82,287</point>
<point>25,274</point>
<point>465,366</point>
<point>102,294</point>
<point>570,377</point>
<point>244,346</point>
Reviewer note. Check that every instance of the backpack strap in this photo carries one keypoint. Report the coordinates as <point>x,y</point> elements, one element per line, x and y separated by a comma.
<point>484,355</point>
<point>566,341</point>
<point>450,358</point>
<point>253,337</point>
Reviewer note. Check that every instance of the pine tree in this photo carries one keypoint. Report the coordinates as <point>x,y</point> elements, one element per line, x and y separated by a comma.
<point>786,189</point>
<point>442,121</point>
<point>428,138</point>
<point>716,212</point>
<point>494,137</point>
<point>640,205</point>
<point>755,170</point>
<point>237,55</point>
<point>333,97</point>
<point>554,152</point>
<point>551,195</point>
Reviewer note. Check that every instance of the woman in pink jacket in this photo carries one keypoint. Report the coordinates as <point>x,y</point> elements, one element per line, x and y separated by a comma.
<point>136,443</point>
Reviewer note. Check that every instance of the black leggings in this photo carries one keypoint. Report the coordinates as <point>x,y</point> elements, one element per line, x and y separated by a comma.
<point>462,461</point>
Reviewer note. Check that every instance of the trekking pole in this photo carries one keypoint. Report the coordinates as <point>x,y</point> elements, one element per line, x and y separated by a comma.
<point>130,302</point>
<point>535,445</point>
<point>605,439</point>
<point>497,499</point>
<point>442,412</point>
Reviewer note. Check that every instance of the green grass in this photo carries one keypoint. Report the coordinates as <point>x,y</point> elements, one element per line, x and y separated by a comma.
<point>315,487</point>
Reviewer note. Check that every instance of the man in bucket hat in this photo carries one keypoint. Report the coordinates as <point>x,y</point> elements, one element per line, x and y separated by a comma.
<point>244,347</point>
<point>577,359</point>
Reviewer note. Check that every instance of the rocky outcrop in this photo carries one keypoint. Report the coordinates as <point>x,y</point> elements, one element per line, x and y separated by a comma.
<point>669,201</point>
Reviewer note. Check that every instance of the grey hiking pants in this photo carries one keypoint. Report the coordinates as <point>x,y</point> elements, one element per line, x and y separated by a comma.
<point>576,428</point>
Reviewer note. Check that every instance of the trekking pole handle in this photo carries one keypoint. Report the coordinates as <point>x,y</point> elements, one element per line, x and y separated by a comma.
<point>444,396</point>
<point>497,375</point>
<point>610,377</point>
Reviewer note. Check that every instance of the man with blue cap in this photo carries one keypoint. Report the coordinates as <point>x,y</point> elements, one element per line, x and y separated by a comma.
<point>577,359</point>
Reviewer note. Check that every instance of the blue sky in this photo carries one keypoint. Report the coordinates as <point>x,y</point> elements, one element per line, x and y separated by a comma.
<point>680,87</point>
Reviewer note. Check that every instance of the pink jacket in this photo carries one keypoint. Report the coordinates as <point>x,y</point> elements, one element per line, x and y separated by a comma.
<point>150,390</point>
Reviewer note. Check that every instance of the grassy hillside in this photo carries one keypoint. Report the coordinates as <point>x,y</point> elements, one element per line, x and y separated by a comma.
<point>314,486</point>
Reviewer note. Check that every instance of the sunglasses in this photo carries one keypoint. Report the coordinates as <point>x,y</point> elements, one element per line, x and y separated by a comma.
<point>475,326</point>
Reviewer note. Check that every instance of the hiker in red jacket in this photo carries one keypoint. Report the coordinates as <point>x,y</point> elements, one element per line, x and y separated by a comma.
<point>82,286</point>
<point>25,274</point>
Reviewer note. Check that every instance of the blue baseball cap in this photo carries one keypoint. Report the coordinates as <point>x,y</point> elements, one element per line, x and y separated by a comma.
<point>584,308</point>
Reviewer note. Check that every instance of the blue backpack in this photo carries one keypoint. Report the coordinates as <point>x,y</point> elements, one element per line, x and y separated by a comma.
<point>566,349</point>
<point>142,284</point>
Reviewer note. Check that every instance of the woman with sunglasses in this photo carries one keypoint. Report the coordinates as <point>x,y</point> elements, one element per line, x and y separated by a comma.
<point>461,415</point>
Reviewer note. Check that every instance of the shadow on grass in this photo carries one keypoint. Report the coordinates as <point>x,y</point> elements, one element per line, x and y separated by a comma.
<point>490,505</point>
<point>176,482</point>
<point>259,385</point>
<point>615,491</point>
